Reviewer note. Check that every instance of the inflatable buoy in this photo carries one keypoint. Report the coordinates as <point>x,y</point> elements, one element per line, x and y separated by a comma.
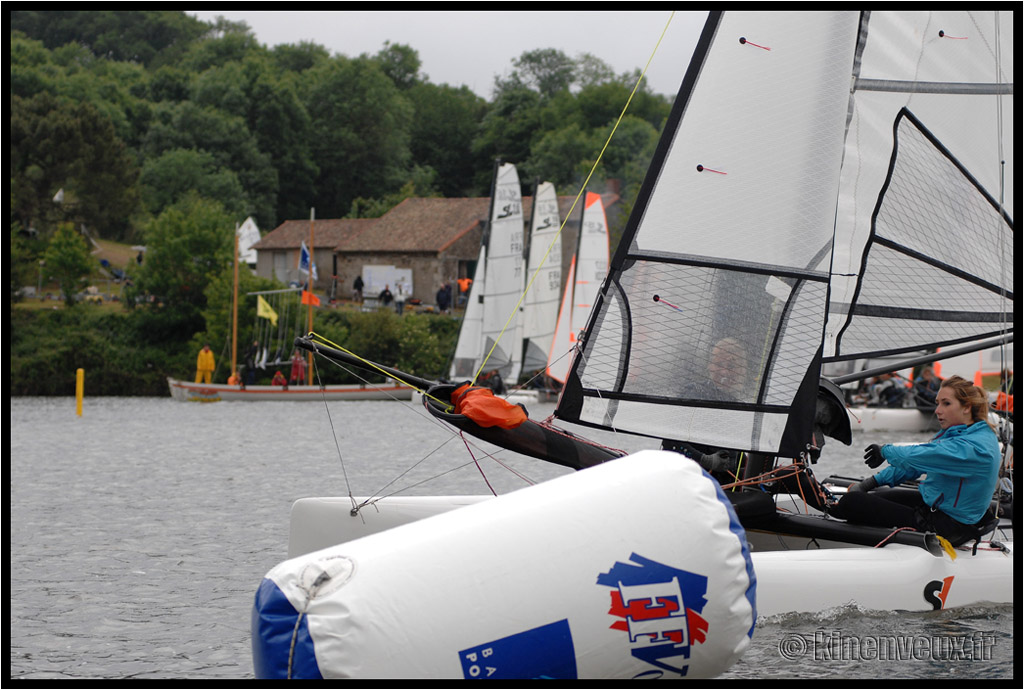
<point>633,568</point>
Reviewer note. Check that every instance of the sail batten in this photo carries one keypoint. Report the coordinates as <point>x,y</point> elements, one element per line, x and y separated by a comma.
<point>947,88</point>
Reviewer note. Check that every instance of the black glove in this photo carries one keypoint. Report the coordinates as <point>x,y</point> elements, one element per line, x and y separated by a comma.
<point>719,461</point>
<point>873,456</point>
<point>864,486</point>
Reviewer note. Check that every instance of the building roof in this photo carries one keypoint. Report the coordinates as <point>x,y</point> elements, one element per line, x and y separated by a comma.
<point>421,225</point>
<point>326,233</point>
<point>416,225</point>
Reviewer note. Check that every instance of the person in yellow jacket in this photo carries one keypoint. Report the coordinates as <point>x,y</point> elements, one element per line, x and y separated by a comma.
<point>204,365</point>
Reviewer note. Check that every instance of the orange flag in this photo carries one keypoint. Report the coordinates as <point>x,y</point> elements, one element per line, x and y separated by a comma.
<point>310,298</point>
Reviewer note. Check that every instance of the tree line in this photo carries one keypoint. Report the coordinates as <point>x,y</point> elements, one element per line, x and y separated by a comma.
<point>127,111</point>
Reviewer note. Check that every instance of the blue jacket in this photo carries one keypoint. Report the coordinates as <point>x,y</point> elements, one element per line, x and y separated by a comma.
<point>962,464</point>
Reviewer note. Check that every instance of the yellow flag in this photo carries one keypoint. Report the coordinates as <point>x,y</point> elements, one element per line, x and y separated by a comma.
<point>263,309</point>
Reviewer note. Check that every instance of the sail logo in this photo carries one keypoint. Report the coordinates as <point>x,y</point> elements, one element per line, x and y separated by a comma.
<point>659,608</point>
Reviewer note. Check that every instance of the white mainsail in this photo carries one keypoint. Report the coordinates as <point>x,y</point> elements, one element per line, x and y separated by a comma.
<point>544,269</point>
<point>469,348</point>
<point>586,273</point>
<point>495,296</point>
<point>710,326</point>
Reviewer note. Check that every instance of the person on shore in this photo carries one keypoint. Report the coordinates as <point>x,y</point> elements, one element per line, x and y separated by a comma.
<point>961,464</point>
<point>443,298</point>
<point>205,365</point>
<point>401,294</point>
<point>385,297</point>
<point>357,289</point>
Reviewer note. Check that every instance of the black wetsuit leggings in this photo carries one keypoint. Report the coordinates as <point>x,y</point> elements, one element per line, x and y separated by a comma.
<point>899,509</point>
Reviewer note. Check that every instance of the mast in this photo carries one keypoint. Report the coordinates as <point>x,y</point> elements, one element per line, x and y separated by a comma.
<point>234,312</point>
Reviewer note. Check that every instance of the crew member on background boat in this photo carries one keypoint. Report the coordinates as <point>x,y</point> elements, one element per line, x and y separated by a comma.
<point>961,464</point>
<point>926,387</point>
<point>298,373</point>
<point>887,391</point>
<point>234,379</point>
<point>1004,399</point>
<point>278,379</point>
<point>204,365</point>
<point>251,355</point>
<point>357,289</point>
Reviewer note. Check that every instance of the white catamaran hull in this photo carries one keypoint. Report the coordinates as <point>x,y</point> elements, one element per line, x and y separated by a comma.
<point>794,573</point>
<point>221,392</point>
<point>876,419</point>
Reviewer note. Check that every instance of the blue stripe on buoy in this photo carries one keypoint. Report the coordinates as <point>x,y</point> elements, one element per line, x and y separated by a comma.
<point>736,528</point>
<point>272,630</point>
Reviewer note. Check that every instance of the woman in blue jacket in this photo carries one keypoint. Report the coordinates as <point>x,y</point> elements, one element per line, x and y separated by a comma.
<point>961,464</point>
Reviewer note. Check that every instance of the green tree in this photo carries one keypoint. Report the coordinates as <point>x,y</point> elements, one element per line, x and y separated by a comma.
<point>56,144</point>
<point>401,63</point>
<point>227,138</point>
<point>547,71</point>
<point>174,174</point>
<point>68,261</point>
<point>186,246</point>
<point>360,133</point>
<point>446,121</point>
<point>144,37</point>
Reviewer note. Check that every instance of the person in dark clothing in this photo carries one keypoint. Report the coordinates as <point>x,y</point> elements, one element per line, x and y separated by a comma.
<point>385,296</point>
<point>443,298</point>
<point>357,289</point>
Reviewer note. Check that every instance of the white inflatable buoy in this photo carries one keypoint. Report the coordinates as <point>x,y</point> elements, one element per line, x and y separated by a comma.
<point>634,568</point>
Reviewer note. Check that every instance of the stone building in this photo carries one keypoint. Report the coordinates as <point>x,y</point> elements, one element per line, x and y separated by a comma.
<point>430,240</point>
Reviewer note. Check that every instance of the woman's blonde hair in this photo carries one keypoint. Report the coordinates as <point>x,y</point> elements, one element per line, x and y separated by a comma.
<point>970,396</point>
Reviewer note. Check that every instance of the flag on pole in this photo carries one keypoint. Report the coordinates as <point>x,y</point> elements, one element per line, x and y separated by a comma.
<point>264,310</point>
<point>304,261</point>
<point>310,298</point>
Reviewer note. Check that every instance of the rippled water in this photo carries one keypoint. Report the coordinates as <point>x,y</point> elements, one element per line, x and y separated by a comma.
<point>140,531</point>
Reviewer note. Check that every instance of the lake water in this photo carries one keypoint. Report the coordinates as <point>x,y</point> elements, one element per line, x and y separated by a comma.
<point>140,531</point>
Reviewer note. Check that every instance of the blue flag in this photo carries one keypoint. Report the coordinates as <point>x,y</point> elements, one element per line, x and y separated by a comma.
<point>304,261</point>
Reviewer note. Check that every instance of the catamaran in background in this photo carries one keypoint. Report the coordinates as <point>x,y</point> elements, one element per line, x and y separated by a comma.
<point>829,186</point>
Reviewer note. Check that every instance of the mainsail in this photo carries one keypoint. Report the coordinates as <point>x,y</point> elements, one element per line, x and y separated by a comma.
<point>586,273</point>
<point>544,268</point>
<point>711,326</point>
<point>494,299</point>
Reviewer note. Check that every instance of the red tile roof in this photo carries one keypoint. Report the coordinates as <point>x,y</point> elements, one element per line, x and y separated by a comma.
<point>326,233</point>
<point>423,225</point>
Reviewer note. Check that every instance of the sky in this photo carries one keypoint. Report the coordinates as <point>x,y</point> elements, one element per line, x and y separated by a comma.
<point>471,48</point>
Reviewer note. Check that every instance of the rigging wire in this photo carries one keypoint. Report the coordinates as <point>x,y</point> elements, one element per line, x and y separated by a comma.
<point>558,235</point>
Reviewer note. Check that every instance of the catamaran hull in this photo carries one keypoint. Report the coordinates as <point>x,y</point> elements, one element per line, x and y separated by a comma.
<point>493,590</point>
<point>218,392</point>
<point>884,419</point>
<point>795,573</point>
